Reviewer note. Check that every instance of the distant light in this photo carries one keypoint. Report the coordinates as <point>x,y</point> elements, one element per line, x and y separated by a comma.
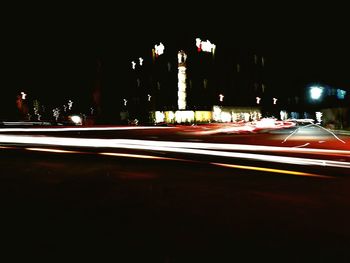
<point>341,94</point>
<point>205,46</point>
<point>24,95</point>
<point>149,97</point>
<point>133,64</point>
<point>319,116</point>
<point>70,104</point>
<point>141,61</point>
<point>274,100</point>
<point>159,49</point>
<point>221,97</point>
<point>316,92</point>
<point>125,101</point>
<point>184,116</point>
<point>76,119</point>
<point>258,99</point>
<point>159,116</point>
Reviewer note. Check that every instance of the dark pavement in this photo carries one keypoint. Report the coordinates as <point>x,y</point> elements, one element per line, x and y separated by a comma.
<point>131,210</point>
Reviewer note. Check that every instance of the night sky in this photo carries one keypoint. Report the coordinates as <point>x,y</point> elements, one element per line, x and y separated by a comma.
<point>51,52</point>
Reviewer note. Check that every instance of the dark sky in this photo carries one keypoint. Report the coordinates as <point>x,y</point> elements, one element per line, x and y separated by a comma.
<point>53,49</point>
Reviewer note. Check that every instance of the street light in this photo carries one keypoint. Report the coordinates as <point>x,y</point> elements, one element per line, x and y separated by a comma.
<point>274,100</point>
<point>24,95</point>
<point>133,64</point>
<point>316,92</point>
<point>159,49</point>
<point>221,97</point>
<point>125,101</point>
<point>258,99</point>
<point>149,97</point>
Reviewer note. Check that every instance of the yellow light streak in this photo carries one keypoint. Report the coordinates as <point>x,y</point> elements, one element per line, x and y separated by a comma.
<point>262,169</point>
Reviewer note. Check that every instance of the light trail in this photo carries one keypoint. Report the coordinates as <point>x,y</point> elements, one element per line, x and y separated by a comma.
<point>51,150</point>
<point>139,156</point>
<point>309,125</point>
<point>180,147</point>
<point>81,129</point>
<point>262,169</point>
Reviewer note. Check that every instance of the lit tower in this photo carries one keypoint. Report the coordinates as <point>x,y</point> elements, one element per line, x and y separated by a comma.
<point>181,75</point>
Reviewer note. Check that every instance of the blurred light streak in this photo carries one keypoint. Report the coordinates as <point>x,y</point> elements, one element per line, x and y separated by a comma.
<point>51,150</point>
<point>183,147</point>
<point>312,124</point>
<point>304,145</point>
<point>262,169</point>
<point>138,156</point>
<point>5,147</point>
<point>80,129</point>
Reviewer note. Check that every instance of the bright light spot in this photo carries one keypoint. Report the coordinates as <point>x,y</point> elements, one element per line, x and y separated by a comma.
<point>221,97</point>
<point>258,99</point>
<point>184,116</point>
<point>226,116</point>
<point>160,116</point>
<point>319,116</point>
<point>125,101</point>
<point>266,123</point>
<point>133,64</point>
<point>205,46</point>
<point>76,119</point>
<point>70,104</point>
<point>341,94</point>
<point>274,100</point>
<point>24,95</point>
<point>316,92</point>
<point>181,57</point>
<point>159,49</point>
<point>141,61</point>
<point>149,97</point>
<point>217,113</point>
<point>181,102</point>
<point>170,116</point>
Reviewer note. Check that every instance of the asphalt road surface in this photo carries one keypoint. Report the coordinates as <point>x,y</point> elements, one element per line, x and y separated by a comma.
<point>135,210</point>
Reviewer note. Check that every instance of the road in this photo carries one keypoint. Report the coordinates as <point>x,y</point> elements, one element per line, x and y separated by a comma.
<point>179,207</point>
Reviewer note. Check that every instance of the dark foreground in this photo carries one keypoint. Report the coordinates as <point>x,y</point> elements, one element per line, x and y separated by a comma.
<point>127,210</point>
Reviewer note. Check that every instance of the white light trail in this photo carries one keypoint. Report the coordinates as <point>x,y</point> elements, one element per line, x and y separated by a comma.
<point>51,150</point>
<point>312,124</point>
<point>178,147</point>
<point>141,156</point>
<point>80,129</point>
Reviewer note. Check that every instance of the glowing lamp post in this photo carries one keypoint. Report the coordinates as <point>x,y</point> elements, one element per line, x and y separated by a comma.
<point>181,102</point>
<point>221,97</point>
<point>274,101</point>
<point>258,99</point>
